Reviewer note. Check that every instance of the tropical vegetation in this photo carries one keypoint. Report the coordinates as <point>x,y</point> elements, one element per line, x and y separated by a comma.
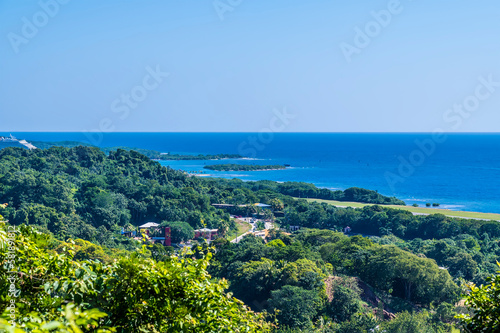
<point>66,267</point>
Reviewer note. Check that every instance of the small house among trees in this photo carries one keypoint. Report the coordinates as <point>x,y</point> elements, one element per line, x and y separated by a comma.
<point>156,233</point>
<point>208,234</point>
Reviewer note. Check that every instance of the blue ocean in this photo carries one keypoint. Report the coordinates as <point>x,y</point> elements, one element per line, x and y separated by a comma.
<point>458,171</point>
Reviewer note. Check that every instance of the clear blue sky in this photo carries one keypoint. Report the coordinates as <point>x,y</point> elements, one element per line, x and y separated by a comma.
<point>229,75</point>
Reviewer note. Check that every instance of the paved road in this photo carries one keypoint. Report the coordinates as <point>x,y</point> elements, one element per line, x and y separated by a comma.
<point>268,225</point>
<point>237,239</point>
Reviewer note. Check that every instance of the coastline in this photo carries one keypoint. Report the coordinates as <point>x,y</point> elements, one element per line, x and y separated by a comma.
<point>248,170</point>
<point>280,178</point>
<point>419,210</point>
<point>339,161</point>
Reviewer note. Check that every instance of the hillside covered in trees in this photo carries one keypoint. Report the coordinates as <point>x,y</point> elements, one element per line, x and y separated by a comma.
<point>73,202</point>
<point>56,290</point>
<point>83,193</point>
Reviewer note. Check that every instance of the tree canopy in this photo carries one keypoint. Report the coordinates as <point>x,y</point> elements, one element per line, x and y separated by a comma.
<point>56,292</point>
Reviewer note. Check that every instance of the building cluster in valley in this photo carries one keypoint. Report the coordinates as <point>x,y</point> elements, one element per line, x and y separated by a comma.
<point>155,233</point>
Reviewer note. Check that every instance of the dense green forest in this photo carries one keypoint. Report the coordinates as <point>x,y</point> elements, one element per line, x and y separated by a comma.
<point>302,190</point>
<point>48,286</point>
<point>303,275</point>
<point>409,271</point>
<point>83,193</point>
<point>242,167</point>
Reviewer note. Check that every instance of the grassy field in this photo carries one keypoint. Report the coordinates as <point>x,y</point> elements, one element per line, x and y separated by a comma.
<point>418,210</point>
<point>242,228</point>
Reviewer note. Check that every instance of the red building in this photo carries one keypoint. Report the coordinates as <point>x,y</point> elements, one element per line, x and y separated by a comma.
<point>157,233</point>
<point>168,239</point>
<point>206,233</point>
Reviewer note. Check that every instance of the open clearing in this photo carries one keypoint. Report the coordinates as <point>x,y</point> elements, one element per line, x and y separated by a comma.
<point>418,210</point>
<point>242,228</point>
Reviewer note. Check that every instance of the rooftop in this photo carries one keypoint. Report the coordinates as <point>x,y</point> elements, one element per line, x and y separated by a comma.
<point>148,225</point>
<point>207,230</point>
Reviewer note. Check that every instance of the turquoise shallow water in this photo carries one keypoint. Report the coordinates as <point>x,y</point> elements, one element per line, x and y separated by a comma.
<point>461,171</point>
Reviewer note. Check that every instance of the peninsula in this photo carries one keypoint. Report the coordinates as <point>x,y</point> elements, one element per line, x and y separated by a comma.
<point>243,167</point>
<point>152,154</point>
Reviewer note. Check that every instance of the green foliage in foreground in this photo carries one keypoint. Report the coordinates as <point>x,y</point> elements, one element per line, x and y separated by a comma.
<point>316,276</point>
<point>408,323</point>
<point>242,167</point>
<point>49,291</point>
<point>484,303</point>
<point>405,322</point>
<point>82,193</point>
<point>296,305</point>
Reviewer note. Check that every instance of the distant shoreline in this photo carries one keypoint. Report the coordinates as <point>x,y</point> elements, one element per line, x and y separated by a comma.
<point>419,210</point>
<point>152,154</point>
<point>243,167</point>
<point>337,171</point>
